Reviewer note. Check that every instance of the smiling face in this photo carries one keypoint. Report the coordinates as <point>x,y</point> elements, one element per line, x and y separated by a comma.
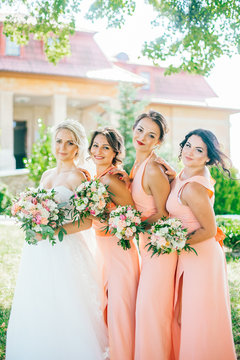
<point>194,152</point>
<point>65,145</point>
<point>146,135</point>
<point>101,152</point>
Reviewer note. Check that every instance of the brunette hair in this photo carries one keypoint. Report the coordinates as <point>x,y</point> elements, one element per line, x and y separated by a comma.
<point>216,156</point>
<point>115,141</point>
<point>157,118</point>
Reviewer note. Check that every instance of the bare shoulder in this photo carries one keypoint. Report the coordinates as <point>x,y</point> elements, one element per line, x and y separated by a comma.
<point>48,173</point>
<point>155,169</point>
<point>194,190</point>
<point>112,180</point>
<point>75,178</point>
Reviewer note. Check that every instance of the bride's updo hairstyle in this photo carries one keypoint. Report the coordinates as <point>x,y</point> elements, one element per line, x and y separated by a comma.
<point>216,156</point>
<point>115,141</point>
<point>157,118</point>
<point>79,134</point>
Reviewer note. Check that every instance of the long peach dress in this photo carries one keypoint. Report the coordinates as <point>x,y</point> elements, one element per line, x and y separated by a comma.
<point>154,307</point>
<point>205,332</point>
<point>120,276</point>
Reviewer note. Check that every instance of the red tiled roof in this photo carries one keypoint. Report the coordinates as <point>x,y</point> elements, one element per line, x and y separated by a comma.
<point>86,56</point>
<point>181,86</point>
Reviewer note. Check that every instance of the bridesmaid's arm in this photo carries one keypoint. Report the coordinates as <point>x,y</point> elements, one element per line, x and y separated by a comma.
<point>196,197</point>
<point>72,228</point>
<point>159,186</point>
<point>120,193</point>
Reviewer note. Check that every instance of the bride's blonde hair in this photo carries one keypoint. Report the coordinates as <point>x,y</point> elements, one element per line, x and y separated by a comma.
<point>79,134</point>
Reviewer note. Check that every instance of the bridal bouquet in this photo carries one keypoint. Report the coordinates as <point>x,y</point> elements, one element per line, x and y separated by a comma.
<point>167,236</point>
<point>39,212</point>
<point>125,222</point>
<point>90,198</point>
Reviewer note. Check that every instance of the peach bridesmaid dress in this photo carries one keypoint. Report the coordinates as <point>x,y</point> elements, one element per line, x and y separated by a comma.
<point>204,331</point>
<point>154,307</point>
<point>120,276</point>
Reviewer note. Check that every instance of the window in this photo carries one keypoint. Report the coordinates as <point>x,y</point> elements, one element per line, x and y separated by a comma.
<point>146,75</point>
<point>12,49</point>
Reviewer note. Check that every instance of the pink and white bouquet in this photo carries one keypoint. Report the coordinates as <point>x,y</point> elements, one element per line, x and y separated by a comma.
<point>125,222</point>
<point>40,212</point>
<point>90,198</point>
<point>167,236</point>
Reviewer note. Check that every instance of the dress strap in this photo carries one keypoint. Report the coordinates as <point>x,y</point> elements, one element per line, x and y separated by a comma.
<point>209,185</point>
<point>105,172</point>
<point>202,180</point>
<point>86,173</point>
<point>142,166</point>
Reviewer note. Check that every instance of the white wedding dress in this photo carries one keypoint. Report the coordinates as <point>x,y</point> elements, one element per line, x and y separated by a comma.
<point>56,312</point>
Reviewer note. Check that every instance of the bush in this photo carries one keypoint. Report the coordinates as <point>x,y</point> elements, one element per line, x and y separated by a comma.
<point>5,199</point>
<point>231,228</point>
<point>42,157</point>
<point>227,192</point>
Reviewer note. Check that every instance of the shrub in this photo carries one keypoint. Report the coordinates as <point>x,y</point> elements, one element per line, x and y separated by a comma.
<point>42,157</point>
<point>5,199</point>
<point>231,228</point>
<point>227,192</point>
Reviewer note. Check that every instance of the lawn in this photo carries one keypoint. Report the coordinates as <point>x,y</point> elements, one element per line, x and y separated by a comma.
<point>11,242</point>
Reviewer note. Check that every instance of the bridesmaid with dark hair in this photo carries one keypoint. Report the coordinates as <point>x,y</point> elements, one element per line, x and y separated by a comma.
<point>202,317</point>
<point>150,190</point>
<point>120,268</point>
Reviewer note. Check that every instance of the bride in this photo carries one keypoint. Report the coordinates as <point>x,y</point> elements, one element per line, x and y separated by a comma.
<point>56,311</point>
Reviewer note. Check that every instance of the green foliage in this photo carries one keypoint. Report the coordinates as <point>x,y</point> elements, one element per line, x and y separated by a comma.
<point>196,32</point>
<point>5,199</point>
<point>126,115</point>
<point>165,152</point>
<point>42,158</point>
<point>51,21</point>
<point>114,11</point>
<point>227,192</point>
<point>231,228</point>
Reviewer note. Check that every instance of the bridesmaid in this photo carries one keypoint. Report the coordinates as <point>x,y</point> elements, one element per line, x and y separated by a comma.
<point>202,317</point>
<point>150,189</point>
<point>120,268</point>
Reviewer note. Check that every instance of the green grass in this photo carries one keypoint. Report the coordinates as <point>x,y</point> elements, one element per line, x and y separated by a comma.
<point>11,242</point>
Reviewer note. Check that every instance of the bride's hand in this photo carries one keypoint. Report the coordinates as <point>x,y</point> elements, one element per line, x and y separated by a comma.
<point>169,171</point>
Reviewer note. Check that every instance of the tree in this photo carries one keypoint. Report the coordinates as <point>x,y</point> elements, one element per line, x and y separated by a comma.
<point>126,115</point>
<point>196,31</point>
<point>42,157</point>
<point>226,192</point>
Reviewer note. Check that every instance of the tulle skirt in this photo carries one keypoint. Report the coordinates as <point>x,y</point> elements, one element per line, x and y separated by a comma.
<point>56,311</point>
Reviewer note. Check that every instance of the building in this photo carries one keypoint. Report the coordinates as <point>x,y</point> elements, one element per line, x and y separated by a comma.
<point>187,101</point>
<point>32,88</point>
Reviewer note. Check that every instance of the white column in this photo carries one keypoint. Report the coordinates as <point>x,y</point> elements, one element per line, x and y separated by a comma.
<point>7,160</point>
<point>59,108</point>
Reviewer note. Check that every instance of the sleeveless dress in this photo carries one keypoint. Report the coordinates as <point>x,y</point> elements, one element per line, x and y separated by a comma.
<point>154,307</point>
<point>56,313</point>
<point>205,332</point>
<point>120,275</point>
